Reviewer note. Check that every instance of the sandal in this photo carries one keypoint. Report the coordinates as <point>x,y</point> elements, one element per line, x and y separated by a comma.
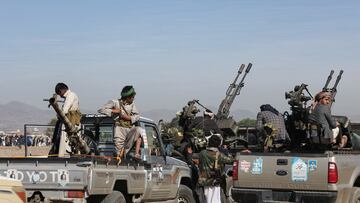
<point>137,156</point>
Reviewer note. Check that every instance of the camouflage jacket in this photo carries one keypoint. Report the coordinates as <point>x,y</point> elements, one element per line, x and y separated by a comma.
<point>209,169</point>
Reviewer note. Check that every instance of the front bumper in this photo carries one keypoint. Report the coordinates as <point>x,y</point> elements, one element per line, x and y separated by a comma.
<point>262,195</point>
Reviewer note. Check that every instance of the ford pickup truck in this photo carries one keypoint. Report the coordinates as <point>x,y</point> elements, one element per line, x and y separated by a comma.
<point>328,176</point>
<point>98,178</point>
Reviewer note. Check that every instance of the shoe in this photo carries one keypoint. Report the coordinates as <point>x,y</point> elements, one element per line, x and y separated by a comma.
<point>137,156</point>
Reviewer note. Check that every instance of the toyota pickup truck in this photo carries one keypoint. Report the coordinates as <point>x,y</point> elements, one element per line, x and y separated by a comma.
<point>330,176</point>
<point>99,178</point>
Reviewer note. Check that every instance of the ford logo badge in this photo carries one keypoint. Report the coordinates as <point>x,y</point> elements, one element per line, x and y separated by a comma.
<point>281,173</point>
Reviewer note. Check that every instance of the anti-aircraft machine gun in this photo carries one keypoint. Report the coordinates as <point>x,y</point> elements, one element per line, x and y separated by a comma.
<point>227,124</point>
<point>192,125</point>
<point>76,141</point>
<point>297,122</point>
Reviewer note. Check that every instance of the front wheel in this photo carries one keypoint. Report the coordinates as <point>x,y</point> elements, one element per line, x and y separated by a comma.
<point>114,197</point>
<point>185,195</point>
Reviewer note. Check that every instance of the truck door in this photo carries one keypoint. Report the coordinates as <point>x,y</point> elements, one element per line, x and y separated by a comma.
<point>159,174</point>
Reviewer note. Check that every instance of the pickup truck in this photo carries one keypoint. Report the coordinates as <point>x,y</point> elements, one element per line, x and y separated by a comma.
<point>98,178</point>
<point>11,191</point>
<point>330,176</point>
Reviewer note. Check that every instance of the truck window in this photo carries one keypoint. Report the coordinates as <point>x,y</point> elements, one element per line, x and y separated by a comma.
<point>105,132</point>
<point>151,135</point>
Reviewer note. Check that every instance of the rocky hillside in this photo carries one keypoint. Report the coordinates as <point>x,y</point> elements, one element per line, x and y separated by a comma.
<point>15,114</point>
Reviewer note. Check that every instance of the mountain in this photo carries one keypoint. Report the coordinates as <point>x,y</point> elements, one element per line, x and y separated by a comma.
<point>14,115</point>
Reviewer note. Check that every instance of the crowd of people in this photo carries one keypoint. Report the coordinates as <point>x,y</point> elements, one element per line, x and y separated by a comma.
<point>18,140</point>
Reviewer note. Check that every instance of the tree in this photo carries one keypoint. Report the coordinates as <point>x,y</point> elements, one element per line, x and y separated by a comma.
<point>247,122</point>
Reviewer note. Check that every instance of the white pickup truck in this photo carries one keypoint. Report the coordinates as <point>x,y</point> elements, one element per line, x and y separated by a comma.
<point>157,178</point>
<point>330,176</point>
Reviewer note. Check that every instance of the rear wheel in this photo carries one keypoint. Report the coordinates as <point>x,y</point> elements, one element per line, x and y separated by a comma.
<point>355,195</point>
<point>114,197</point>
<point>185,195</point>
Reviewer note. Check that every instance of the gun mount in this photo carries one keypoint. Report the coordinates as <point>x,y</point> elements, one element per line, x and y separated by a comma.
<point>76,142</point>
<point>297,122</point>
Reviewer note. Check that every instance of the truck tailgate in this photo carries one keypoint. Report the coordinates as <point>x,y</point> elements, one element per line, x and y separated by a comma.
<point>282,171</point>
<point>45,174</point>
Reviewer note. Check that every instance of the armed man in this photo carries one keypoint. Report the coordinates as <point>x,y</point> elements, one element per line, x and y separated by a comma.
<point>211,166</point>
<point>71,109</point>
<point>126,116</point>
<point>271,127</point>
<point>321,115</point>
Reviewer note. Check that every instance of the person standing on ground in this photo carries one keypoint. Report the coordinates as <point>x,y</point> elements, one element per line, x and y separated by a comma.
<point>126,115</point>
<point>211,166</point>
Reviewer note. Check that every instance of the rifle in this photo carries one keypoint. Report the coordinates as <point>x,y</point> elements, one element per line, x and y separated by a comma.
<point>233,90</point>
<point>75,141</point>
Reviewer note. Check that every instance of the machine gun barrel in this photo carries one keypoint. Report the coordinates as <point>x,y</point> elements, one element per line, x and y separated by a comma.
<point>233,90</point>
<point>334,89</point>
<point>328,81</point>
<point>233,85</point>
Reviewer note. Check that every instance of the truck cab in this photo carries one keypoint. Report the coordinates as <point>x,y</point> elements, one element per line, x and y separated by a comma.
<point>165,176</point>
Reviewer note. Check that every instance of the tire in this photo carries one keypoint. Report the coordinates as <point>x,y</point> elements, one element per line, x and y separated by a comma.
<point>185,195</point>
<point>114,197</point>
<point>355,195</point>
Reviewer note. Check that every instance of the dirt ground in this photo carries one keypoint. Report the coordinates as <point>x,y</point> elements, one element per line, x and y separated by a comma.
<point>19,151</point>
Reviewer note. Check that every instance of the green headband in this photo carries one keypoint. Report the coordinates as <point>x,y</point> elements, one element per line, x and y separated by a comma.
<point>128,93</point>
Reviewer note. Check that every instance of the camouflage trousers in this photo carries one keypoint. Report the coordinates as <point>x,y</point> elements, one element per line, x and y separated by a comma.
<point>125,138</point>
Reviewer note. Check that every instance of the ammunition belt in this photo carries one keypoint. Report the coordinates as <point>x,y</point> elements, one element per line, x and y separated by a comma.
<point>124,124</point>
<point>74,117</point>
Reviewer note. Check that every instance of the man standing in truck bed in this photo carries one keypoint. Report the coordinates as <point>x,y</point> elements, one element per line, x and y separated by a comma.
<point>71,110</point>
<point>270,118</point>
<point>126,115</point>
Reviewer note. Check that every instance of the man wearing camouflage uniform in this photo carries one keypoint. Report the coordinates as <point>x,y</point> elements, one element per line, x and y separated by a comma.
<point>126,115</point>
<point>271,127</point>
<point>211,166</point>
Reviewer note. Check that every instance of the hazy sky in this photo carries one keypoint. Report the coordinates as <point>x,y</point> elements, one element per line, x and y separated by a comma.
<point>174,51</point>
